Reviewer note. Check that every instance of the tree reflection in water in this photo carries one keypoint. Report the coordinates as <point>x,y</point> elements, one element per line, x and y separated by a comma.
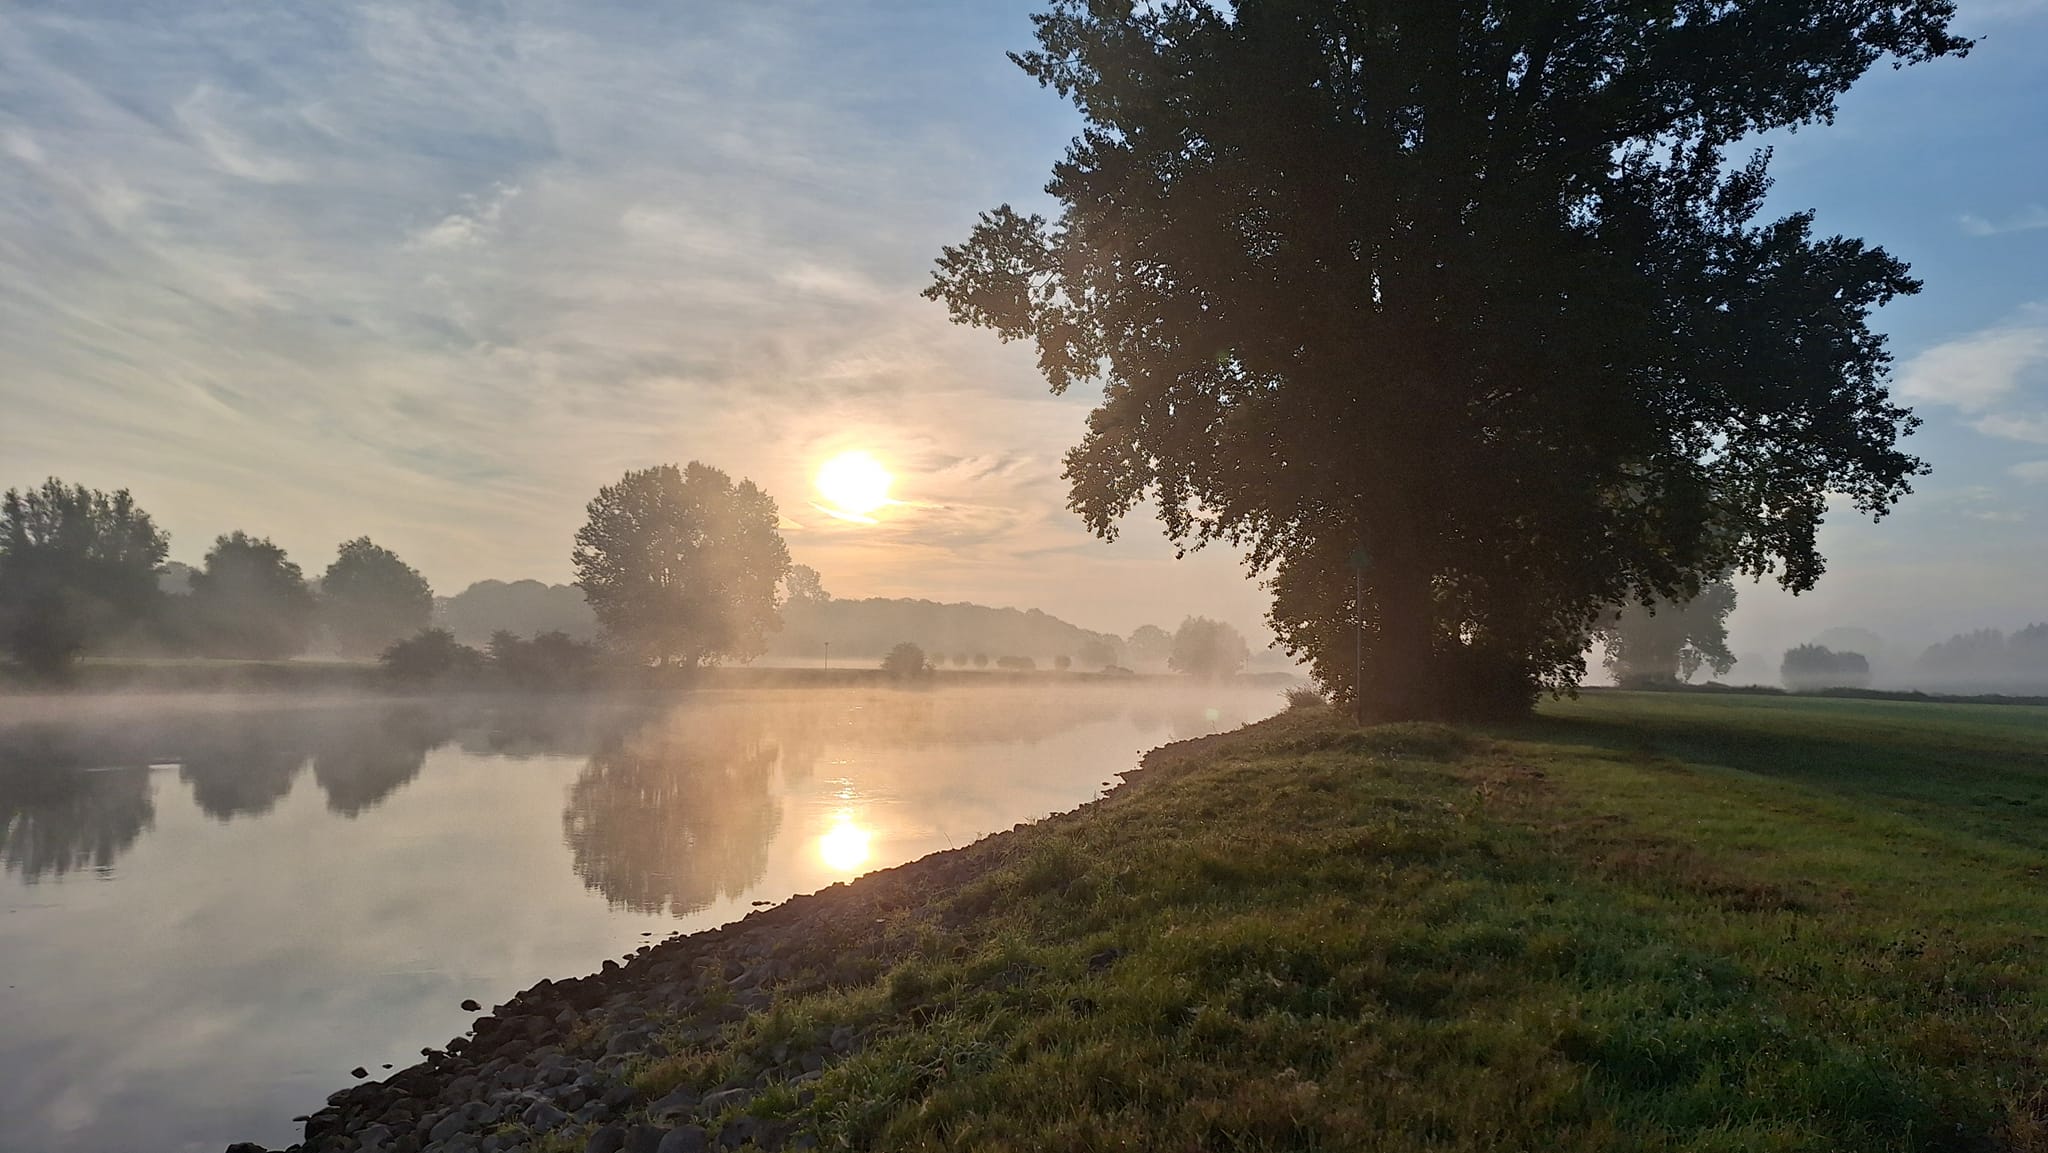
<point>677,814</point>
<point>56,817</point>
<point>357,766</point>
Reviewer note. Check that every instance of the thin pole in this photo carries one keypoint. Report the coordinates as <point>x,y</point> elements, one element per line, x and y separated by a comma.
<point>1358,634</point>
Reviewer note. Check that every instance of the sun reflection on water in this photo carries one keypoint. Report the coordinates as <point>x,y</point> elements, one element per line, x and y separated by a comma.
<point>845,846</point>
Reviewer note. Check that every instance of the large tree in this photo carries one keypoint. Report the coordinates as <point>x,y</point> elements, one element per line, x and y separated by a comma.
<point>250,600</point>
<point>78,567</point>
<point>682,564</point>
<point>371,600</point>
<point>1467,305</point>
<point>1666,641</point>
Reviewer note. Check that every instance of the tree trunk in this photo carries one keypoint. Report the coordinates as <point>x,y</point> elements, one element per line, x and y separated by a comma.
<point>1401,673</point>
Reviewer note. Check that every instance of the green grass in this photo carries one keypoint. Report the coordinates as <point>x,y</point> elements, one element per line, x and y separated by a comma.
<point>1650,922</point>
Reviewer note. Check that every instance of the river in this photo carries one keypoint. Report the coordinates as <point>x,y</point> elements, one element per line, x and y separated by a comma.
<point>211,909</point>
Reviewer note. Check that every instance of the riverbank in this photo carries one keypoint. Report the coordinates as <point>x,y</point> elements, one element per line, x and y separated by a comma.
<point>1637,922</point>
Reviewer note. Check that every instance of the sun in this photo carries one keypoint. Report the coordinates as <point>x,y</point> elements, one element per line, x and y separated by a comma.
<point>854,485</point>
<point>844,846</point>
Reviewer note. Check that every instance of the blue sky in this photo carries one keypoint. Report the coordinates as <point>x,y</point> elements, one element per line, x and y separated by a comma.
<point>434,272</point>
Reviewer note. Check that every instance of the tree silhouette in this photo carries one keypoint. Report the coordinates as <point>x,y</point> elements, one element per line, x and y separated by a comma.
<point>370,599</point>
<point>906,660</point>
<point>803,586</point>
<point>250,601</point>
<point>1665,642</point>
<point>77,567</point>
<point>1207,649</point>
<point>1819,667</point>
<point>1469,306</point>
<point>682,565</point>
<point>1149,645</point>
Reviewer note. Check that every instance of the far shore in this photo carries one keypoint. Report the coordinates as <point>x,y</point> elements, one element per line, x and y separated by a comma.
<point>314,678</point>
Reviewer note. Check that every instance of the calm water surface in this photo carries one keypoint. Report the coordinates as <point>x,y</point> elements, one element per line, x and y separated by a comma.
<point>210,910</point>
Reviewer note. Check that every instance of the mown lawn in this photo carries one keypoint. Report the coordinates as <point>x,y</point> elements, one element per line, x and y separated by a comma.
<point>1637,922</point>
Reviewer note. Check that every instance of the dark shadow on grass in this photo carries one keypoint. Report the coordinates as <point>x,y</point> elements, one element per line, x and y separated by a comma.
<point>1990,783</point>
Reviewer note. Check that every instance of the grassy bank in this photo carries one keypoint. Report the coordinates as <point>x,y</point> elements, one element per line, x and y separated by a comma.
<point>1641,922</point>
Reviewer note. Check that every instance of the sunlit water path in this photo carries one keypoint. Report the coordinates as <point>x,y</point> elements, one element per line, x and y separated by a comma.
<point>211,910</point>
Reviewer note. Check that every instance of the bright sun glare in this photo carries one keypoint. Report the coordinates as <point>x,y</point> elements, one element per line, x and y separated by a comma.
<point>845,845</point>
<point>854,485</point>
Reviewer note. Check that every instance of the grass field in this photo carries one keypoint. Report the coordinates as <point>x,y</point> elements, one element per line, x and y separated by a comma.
<point>1636,922</point>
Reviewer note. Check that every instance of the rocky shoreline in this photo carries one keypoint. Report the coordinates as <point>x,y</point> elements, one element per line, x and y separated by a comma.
<point>576,1066</point>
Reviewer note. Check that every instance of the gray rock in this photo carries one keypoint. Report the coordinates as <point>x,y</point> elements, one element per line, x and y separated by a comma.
<point>719,1102</point>
<point>373,1138</point>
<point>609,1139</point>
<point>686,1139</point>
<point>631,1041</point>
<point>681,1103</point>
<point>448,1127</point>
<point>642,1139</point>
<point>541,1116</point>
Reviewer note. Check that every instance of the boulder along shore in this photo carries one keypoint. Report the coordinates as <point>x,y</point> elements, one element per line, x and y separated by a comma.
<point>680,1049</point>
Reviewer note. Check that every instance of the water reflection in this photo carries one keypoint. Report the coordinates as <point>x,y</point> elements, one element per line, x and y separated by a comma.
<point>845,846</point>
<point>199,944</point>
<point>676,814</point>
<point>54,820</point>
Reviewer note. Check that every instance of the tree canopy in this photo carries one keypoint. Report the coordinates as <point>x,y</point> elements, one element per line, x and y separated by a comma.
<point>1666,641</point>
<point>1207,649</point>
<point>682,564</point>
<point>251,601</point>
<point>1468,305</point>
<point>77,567</point>
<point>370,599</point>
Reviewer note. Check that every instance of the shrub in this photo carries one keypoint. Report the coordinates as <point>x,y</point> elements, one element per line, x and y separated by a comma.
<point>906,660</point>
<point>1016,664</point>
<point>430,654</point>
<point>1303,698</point>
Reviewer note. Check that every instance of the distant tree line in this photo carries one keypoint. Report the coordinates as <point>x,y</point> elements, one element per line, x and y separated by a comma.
<point>83,572</point>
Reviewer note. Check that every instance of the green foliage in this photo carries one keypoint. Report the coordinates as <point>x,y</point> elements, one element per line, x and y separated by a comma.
<point>1207,649</point>
<point>905,661</point>
<point>1016,664</point>
<point>370,599</point>
<point>1477,302</point>
<point>1819,667</point>
<point>1665,641</point>
<point>682,565</point>
<point>552,660</point>
<point>250,601</point>
<point>78,567</point>
<point>430,655</point>
<point>1639,921</point>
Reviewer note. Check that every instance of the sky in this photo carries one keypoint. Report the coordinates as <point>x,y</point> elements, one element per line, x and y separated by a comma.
<point>434,272</point>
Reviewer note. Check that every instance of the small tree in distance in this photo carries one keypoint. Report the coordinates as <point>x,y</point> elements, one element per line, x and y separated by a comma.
<point>905,661</point>
<point>1208,649</point>
<point>1666,642</point>
<point>370,599</point>
<point>1809,667</point>
<point>430,655</point>
<point>682,565</point>
<point>250,601</point>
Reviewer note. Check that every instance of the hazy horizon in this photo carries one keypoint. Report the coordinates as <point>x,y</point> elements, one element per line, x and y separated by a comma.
<point>435,273</point>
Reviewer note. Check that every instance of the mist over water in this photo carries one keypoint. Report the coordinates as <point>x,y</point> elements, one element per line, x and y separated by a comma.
<point>212,908</point>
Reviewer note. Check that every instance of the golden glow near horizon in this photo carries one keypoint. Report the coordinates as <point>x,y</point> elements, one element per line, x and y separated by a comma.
<point>855,486</point>
<point>845,846</point>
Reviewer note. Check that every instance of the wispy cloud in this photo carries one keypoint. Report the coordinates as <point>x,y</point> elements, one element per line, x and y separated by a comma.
<point>2032,470</point>
<point>1977,372</point>
<point>2025,220</point>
